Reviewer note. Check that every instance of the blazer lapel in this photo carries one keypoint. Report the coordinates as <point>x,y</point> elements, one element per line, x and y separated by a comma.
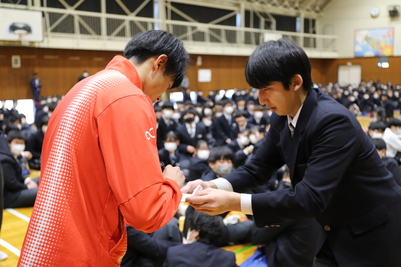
<point>291,147</point>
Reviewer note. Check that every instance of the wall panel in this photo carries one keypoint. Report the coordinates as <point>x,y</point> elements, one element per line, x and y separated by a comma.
<point>59,70</point>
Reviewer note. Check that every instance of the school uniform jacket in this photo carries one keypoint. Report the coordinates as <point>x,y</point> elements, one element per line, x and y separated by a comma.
<point>100,171</point>
<point>338,178</point>
<point>199,254</point>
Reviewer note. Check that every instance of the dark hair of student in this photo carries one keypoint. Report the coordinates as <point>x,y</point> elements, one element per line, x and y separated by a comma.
<point>394,122</point>
<point>379,143</point>
<point>155,43</point>
<point>15,134</point>
<point>171,135</point>
<point>200,143</point>
<point>210,228</point>
<point>278,61</point>
<point>220,152</point>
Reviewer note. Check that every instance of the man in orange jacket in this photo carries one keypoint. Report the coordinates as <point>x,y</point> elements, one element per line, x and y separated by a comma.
<point>100,163</point>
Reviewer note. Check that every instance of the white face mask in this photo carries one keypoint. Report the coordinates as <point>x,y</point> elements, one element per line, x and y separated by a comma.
<point>207,123</point>
<point>244,140</point>
<point>196,119</point>
<point>229,110</point>
<point>17,149</point>
<point>258,115</point>
<point>170,146</point>
<point>203,154</point>
<point>207,111</point>
<point>253,139</point>
<point>199,110</point>
<point>19,126</point>
<point>377,135</point>
<point>176,116</point>
<point>167,113</point>
<point>44,129</point>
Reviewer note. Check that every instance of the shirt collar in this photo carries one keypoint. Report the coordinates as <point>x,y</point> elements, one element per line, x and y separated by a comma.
<point>294,120</point>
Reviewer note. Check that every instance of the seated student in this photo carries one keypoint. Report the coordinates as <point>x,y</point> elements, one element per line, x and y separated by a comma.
<point>171,155</point>
<point>376,129</point>
<point>241,147</point>
<point>190,132</point>
<point>18,190</point>
<point>293,243</point>
<point>391,163</point>
<point>259,117</point>
<point>224,125</point>
<point>220,163</point>
<point>150,249</point>
<point>392,139</point>
<point>165,123</point>
<point>241,122</point>
<point>207,120</point>
<point>199,163</point>
<point>203,235</point>
<point>34,144</point>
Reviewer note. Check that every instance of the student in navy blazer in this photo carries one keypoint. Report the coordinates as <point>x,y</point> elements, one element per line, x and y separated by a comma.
<point>203,235</point>
<point>337,175</point>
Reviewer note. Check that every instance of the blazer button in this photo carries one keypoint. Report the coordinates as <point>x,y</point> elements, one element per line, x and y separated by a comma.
<point>326,228</point>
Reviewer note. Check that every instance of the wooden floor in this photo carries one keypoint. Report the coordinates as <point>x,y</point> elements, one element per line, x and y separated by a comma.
<point>15,224</point>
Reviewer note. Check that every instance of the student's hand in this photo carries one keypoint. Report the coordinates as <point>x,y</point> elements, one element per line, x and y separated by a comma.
<point>175,174</point>
<point>191,149</point>
<point>27,154</point>
<point>215,201</point>
<point>249,149</point>
<point>31,184</point>
<point>190,186</point>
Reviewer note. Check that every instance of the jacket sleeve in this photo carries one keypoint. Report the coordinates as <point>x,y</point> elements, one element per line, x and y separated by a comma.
<point>127,136</point>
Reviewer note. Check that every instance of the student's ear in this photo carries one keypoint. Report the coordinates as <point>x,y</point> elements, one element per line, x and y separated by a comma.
<point>160,61</point>
<point>297,82</point>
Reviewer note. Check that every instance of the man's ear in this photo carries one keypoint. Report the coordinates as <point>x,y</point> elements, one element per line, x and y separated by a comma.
<point>160,61</point>
<point>297,82</point>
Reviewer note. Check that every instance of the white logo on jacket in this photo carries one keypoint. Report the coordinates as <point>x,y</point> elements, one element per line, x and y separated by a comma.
<point>148,134</point>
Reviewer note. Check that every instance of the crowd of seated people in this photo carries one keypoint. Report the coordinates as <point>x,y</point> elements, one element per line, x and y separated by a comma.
<point>208,138</point>
<point>20,151</point>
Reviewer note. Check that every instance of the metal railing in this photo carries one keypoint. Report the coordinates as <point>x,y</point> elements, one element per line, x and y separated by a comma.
<point>65,23</point>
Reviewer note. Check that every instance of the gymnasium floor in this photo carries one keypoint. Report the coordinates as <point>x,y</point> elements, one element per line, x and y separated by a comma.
<point>15,224</point>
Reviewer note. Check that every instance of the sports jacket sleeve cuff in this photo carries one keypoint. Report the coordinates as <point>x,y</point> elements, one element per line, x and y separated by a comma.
<point>246,204</point>
<point>223,184</point>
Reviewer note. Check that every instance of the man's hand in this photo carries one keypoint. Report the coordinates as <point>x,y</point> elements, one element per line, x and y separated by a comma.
<point>215,201</point>
<point>190,186</point>
<point>174,173</point>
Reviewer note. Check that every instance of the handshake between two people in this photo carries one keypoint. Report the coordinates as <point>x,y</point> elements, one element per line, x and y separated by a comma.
<point>206,198</point>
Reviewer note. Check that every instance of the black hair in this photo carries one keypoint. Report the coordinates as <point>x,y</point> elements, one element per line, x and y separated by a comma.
<point>152,43</point>
<point>191,111</point>
<point>201,142</point>
<point>226,102</point>
<point>241,114</point>
<point>44,120</point>
<point>394,122</point>
<point>278,61</point>
<point>14,134</point>
<point>378,125</point>
<point>171,134</point>
<point>379,143</point>
<point>220,152</point>
<point>168,104</point>
<point>211,228</point>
